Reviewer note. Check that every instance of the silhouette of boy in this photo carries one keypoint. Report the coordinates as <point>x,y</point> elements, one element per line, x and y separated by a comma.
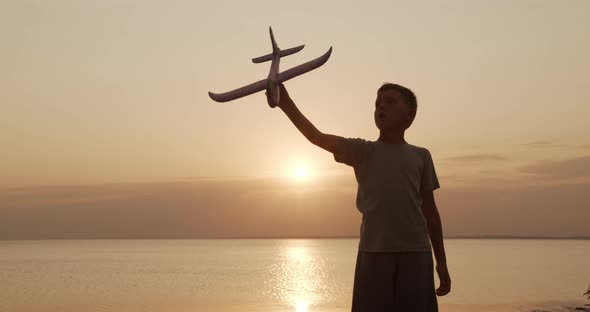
<point>394,267</point>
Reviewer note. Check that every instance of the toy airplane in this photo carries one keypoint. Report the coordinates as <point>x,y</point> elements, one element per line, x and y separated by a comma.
<point>274,79</point>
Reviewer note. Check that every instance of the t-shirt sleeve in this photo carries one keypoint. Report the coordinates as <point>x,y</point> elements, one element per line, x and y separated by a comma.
<point>351,151</point>
<point>429,180</point>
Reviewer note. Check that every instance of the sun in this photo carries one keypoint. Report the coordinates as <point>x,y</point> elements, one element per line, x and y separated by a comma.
<point>300,173</point>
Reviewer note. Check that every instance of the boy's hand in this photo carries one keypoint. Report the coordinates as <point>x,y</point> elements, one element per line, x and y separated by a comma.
<point>285,99</point>
<point>445,279</point>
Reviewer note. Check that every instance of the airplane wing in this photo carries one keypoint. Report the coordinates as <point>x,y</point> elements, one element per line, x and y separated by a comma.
<point>304,68</point>
<point>284,53</point>
<point>261,85</point>
<point>238,93</point>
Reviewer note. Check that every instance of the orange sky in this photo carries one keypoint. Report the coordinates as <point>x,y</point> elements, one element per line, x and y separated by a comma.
<point>96,93</point>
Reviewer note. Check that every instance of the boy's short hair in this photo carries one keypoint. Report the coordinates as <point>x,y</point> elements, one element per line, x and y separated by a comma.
<point>407,94</point>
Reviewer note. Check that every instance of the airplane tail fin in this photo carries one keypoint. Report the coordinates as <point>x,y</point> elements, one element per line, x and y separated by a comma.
<point>285,52</point>
<point>275,47</point>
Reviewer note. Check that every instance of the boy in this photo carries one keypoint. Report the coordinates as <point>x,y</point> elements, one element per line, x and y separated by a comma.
<point>394,269</point>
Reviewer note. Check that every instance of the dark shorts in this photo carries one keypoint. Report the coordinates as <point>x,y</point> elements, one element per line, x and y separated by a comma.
<point>394,281</point>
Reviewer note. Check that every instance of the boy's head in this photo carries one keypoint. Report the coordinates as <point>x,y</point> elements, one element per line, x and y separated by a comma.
<point>395,107</point>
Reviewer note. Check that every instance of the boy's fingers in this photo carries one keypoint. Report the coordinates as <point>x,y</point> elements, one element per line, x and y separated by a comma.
<point>441,291</point>
<point>282,88</point>
<point>445,288</point>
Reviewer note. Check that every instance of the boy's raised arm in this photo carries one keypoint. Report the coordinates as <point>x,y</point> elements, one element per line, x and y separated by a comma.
<point>328,142</point>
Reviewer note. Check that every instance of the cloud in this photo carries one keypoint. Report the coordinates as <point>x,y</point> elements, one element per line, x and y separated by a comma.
<point>564,169</point>
<point>550,144</point>
<point>517,210</point>
<point>541,144</point>
<point>276,208</point>
<point>476,158</point>
<point>204,208</point>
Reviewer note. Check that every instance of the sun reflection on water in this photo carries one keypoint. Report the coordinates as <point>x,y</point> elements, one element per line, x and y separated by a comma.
<point>298,278</point>
<point>301,306</point>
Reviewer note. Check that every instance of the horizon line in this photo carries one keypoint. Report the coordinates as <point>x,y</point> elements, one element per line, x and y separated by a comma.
<point>581,237</point>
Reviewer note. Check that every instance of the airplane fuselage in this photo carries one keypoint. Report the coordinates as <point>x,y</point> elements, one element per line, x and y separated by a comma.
<point>272,85</point>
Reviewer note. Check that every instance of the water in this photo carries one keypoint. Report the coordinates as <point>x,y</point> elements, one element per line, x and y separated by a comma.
<point>267,275</point>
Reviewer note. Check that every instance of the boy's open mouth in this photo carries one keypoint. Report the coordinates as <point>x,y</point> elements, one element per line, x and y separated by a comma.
<point>381,115</point>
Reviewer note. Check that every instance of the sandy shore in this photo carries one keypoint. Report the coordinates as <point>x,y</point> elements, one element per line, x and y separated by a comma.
<point>545,306</point>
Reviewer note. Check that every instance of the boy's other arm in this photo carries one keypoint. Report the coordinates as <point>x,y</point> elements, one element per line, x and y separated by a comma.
<point>325,141</point>
<point>434,224</point>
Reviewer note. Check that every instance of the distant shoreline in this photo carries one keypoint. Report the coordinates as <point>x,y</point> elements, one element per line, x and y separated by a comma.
<point>297,237</point>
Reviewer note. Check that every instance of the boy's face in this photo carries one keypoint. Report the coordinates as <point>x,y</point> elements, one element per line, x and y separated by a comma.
<point>391,111</point>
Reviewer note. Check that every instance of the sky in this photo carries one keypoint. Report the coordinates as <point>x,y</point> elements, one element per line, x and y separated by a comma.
<point>107,129</point>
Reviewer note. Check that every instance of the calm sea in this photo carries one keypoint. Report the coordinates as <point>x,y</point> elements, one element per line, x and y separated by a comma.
<point>268,274</point>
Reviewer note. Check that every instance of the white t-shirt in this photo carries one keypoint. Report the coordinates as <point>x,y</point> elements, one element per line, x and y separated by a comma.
<point>390,178</point>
